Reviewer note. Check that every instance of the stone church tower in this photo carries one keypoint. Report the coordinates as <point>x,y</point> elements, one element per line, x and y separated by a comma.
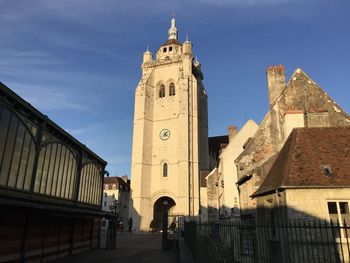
<point>170,140</point>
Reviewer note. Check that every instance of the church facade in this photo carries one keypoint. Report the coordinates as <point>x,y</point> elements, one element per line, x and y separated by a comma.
<point>170,134</point>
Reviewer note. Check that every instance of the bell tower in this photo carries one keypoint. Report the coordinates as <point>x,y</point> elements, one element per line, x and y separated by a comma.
<point>170,135</point>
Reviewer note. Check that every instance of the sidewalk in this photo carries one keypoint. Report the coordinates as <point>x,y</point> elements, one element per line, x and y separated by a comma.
<point>130,248</point>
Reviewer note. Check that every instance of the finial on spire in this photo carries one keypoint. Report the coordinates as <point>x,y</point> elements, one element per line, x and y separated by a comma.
<point>147,48</point>
<point>173,30</point>
<point>186,37</point>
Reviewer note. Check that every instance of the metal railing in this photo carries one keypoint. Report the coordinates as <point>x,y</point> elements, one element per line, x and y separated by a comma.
<point>285,242</point>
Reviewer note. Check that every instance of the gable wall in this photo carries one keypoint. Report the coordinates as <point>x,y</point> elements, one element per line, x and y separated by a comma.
<point>300,95</point>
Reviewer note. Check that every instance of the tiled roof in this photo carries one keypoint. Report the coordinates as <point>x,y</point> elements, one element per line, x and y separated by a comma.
<point>301,160</point>
<point>172,42</point>
<point>119,181</point>
<point>110,180</point>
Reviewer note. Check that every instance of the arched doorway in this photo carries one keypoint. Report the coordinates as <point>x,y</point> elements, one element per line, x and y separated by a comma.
<point>159,207</point>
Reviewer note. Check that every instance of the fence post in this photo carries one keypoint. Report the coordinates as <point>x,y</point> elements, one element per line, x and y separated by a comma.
<point>346,228</point>
<point>334,241</point>
<point>165,230</point>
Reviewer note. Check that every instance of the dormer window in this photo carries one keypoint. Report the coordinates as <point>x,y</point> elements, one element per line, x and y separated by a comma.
<point>327,171</point>
<point>162,91</point>
<point>170,48</point>
<point>164,49</point>
<point>171,89</point>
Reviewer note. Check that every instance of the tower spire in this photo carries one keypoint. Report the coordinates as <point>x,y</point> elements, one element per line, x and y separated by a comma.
<point>172,33</point>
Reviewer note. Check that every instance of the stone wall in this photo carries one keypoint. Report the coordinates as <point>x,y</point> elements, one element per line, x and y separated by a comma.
<point>301,95</point>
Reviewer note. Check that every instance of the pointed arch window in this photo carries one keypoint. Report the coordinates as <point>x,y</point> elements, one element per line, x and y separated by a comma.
<point>162,91</point>
<point>171,89</point>
<point>165,170</point>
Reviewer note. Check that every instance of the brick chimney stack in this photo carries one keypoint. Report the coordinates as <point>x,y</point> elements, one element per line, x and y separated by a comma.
<point>276,82</point>
<point>232,132</point>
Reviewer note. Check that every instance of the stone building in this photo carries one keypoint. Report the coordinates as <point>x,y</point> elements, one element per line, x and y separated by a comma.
<point>116,196</point>
<point>228,196</point>
<point>313,163</point>
<point>308,183</point>
<point>170,134</point>
<point>50,186</point>
<point>222,193</point>
<point>216,143</point>
<point>298,103</point>
<point>208,182</point>
<point>212,197</point>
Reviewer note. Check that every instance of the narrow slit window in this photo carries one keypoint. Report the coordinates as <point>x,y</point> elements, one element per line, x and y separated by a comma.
<point>162,91</point>
<point>165,170</point>
<point>171,89</point>
<point>164,49</point>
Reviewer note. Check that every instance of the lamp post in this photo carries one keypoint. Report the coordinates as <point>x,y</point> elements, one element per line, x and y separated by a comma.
<point>165,226</point>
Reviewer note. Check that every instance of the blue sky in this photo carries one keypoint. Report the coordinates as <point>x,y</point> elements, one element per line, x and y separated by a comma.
<point>79,61</point>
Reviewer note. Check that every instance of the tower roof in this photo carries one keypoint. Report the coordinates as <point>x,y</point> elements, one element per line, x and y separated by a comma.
<point>172,35</point>
<point>172,42</point>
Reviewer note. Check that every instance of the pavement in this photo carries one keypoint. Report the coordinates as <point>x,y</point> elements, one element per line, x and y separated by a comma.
<point>130,248</point>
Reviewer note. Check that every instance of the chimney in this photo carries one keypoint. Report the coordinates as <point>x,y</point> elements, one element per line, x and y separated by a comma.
<point>276,82</point>
<point>232,132</point>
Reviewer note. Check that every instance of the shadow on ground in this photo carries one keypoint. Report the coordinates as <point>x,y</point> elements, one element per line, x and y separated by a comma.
<point>130,248</point>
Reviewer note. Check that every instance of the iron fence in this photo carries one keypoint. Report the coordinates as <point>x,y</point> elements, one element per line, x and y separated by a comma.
<point>285,242</point>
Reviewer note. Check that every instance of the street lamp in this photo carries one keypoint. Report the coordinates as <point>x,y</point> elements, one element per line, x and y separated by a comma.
<point>165,225</point>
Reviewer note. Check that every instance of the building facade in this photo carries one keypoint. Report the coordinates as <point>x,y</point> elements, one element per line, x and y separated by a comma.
<point>50,186</point>
<point>298,103</point>
<point>308,185</point>
<point>170,136</point>
<point>116,197</point>
<point>313,163</point>
<point>221,182</point>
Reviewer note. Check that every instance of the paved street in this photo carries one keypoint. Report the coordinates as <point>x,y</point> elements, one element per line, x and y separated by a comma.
<point>130,248</point>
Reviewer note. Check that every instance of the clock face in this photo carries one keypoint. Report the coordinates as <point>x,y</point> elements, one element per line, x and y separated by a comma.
<point>164,134</point>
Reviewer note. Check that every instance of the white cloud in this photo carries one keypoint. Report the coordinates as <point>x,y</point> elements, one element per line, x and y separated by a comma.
<point>84,130</point>
<point>12,57</point>
<point>48,99</point>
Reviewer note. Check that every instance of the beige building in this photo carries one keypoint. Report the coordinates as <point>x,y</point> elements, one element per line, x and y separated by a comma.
<point>170,136</point>
<point>309,183</point>
<point>298,103</point>
<point>310,178</point>
<point>227,171</point>
<point>116,196</point>
<point>222,193</point>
